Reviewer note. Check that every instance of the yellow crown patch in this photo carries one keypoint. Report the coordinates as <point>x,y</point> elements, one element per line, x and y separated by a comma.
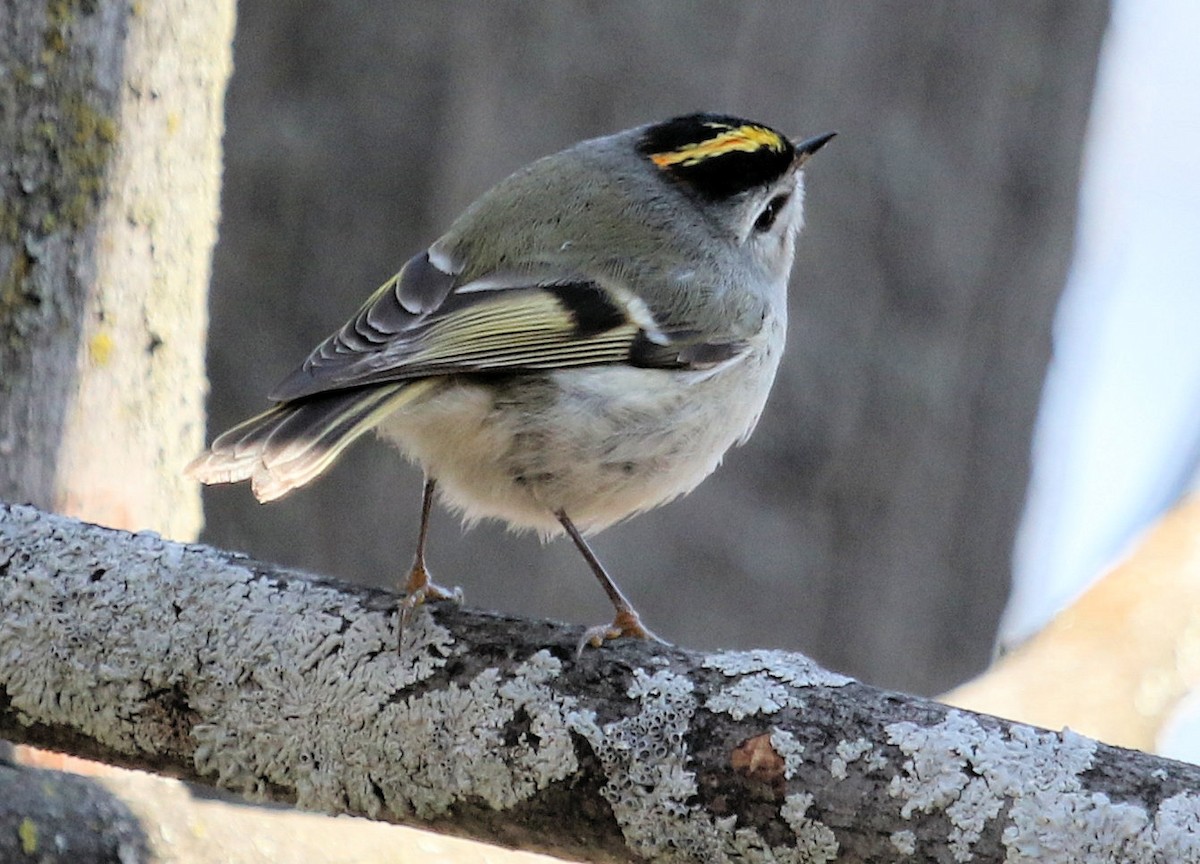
<point>741,139</point>
<point>717,156</point>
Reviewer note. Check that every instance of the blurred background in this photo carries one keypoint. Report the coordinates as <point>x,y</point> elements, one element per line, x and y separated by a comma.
<point>1118,436</point>
<point>870,521</point>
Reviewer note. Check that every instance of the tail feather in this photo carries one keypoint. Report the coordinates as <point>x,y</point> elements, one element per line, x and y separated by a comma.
<point>294,442</point>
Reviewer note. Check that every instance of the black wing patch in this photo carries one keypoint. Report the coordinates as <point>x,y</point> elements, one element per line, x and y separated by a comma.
<point>592,308</point>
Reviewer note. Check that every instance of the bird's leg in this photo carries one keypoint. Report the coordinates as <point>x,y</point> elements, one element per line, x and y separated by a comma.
<point>419,587</point>
<point>418,577</point>
<point>626,622</point>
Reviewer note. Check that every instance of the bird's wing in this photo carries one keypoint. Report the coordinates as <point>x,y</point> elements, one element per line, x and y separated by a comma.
<point>424,321</point>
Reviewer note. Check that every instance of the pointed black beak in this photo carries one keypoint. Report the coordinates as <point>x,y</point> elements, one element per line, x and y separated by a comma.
<point>805,149</point>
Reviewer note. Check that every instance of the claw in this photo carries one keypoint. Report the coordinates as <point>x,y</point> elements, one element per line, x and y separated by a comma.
<point>418,591</point>
<point>626,624</point>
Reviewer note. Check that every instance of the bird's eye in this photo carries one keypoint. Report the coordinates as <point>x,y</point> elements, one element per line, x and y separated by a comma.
<point>767,217</point>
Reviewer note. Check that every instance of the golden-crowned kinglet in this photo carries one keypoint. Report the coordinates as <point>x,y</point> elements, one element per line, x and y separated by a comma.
<point>584,343</point>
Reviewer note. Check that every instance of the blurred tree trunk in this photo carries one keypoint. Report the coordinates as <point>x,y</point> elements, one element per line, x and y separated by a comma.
<point>111,117</point>
<point>110,137</point>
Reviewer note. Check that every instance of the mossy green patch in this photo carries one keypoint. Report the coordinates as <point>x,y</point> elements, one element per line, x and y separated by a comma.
<point>12,294</point>
<point>59,138</point>
<point>83,152</point>
<point>27,831</point>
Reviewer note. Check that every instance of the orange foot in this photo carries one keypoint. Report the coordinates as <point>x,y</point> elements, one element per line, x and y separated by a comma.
<point>418,590</point>
<point>626,624</point>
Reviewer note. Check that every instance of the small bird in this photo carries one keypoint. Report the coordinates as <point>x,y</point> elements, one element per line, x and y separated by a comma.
<point>583,344</point>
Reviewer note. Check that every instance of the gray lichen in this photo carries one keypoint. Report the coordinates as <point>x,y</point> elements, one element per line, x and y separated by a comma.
<point>448,743</point>
<point>269,681</point>
<point>767,683</point>
<point>959,768</point>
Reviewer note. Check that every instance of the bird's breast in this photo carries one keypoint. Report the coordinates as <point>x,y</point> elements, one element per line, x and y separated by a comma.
<point>600,443</point>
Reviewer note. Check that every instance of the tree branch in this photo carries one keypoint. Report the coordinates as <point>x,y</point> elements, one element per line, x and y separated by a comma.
<point>49,816</point>
<point>206,665</point>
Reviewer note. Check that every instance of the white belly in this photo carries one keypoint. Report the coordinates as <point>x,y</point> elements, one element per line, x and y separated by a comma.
<point>599,443</point>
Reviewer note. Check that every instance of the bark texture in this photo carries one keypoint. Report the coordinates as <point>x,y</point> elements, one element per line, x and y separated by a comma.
<point>215,667</point>
<point>109,179</point>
